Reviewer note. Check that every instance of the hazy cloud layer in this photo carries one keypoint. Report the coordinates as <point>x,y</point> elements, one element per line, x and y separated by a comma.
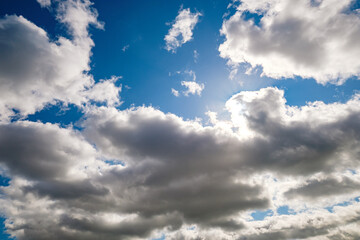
<point>310,39</point>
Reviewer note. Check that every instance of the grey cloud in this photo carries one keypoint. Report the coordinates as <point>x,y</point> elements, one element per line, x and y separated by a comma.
<point>40,151</point>
<point>175,170</point>
<point>298,141</point>
<point>316,188</point>
<point>67,190</point>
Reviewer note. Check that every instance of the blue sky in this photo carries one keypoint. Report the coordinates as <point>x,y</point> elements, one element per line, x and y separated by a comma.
<point>145,65</point>
<point>248,111</point>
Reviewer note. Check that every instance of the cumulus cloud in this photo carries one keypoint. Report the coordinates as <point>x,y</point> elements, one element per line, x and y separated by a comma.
<point>42,71</point>
<point>310,39</point>
<point>182,29</point>
<point>177,173</point>
<point>193,87</point>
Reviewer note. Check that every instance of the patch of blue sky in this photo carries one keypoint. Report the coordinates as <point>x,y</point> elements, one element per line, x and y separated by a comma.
<point>254,17</point>
<point>345,203</point>
<point>192,228</point>
<point>115,162</point>
<point>162,237</point>
<point>4,181</point>
<point>63,115</point>
<point>3,234</point>
<point>260,215</point>
<point>145,65</point>
<point>285,210</point>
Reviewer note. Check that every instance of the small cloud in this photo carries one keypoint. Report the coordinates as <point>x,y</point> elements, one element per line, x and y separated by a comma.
<point>193,87</point>
<point>182,30</point>
<point>126,47</point>
<point>175,92</point>
<point>189,82</point>
<point>196,56</point>
<point>44,3</point>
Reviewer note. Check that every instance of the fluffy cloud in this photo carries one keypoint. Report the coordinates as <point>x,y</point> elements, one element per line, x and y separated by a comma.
<point>182,29</point>
<point>192,87</point>
<point>35,71</point>
<point>310,39</point>
<point>168,175</point>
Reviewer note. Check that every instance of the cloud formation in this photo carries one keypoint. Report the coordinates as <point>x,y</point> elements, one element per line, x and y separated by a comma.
<point>310,39</point>
<point>138,173</point>
<point>168,174</point>
<point>192,87</point>
<point>182,29</point>
<point>42,71</point>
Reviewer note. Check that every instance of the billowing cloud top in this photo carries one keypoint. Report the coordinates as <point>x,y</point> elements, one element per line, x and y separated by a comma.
<point>140,173</point>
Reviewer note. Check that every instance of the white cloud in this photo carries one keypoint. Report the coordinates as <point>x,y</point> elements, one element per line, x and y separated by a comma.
<point>175,92</point>
<point>126,47</point>
<point>295,39</point>
<point>196,56</point>
<point>193,87</point>
<point>44,3</point>
<point>182,29</point>
<point>104,91</point>
<point>35,71</point>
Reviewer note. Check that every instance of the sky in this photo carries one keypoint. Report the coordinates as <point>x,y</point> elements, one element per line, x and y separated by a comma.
<point>179,119</point>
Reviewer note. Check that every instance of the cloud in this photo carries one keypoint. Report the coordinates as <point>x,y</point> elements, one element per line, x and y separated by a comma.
<point>44,3</point>
<point>178,173</point>
<point>28,150</point>
<point>193,87</point>
<point>139,172</point>
<point>196,56</point>
<point>310,39</point>
<point>42,71</point>
<point>182,29</point>
<point>175,92</point>
<point>296,140</point>
<point>125,48</point>
<point>172,160</point>
<point>315,188</point>
<point>315,224</point>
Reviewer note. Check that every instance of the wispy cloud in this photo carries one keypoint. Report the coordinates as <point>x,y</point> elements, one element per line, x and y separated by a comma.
<point>182,29</point>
